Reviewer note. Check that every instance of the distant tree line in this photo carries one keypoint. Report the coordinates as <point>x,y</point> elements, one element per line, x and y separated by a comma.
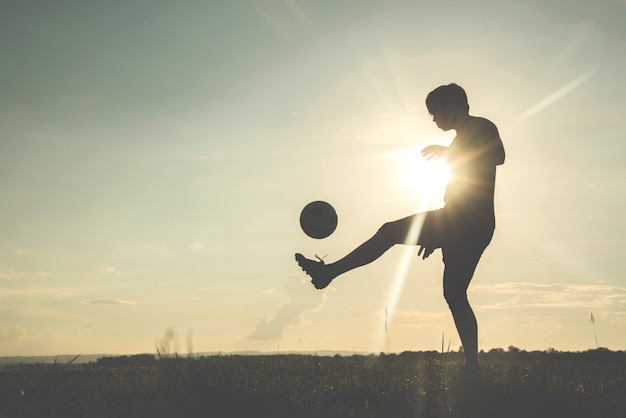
<point>596,355</point>
<point>137,360</point>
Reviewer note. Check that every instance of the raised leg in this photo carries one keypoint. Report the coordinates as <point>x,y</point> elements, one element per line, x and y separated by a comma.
<point>388,235</point>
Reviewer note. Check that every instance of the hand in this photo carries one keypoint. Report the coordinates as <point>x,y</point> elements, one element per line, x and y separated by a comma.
<point>426,252</point>
<point>433,152</point>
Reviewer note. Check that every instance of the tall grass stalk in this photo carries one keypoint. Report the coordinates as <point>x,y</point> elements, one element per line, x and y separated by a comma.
<point>593,322</point>
<point>387,342</point>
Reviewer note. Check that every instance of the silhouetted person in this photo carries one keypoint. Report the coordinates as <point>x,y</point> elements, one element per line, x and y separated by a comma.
<point>462,228</point>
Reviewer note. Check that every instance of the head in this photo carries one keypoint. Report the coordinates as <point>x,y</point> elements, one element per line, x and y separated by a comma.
<point>448,105</point>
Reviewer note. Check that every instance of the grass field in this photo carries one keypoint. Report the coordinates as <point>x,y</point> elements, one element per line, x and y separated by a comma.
<point>425,384</point>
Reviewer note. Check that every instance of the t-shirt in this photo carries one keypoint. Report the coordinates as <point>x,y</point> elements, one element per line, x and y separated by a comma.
<point>472,158</point>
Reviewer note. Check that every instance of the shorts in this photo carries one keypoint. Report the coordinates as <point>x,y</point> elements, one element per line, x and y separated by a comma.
<point>440,228</point>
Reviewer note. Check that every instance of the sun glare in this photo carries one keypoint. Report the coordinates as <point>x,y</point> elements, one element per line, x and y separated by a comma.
<point>425,180</point>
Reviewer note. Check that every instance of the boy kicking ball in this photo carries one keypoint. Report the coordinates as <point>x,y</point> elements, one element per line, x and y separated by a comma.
<point>463,228</point>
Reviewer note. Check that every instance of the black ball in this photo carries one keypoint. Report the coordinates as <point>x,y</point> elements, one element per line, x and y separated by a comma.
<point>318,219</point>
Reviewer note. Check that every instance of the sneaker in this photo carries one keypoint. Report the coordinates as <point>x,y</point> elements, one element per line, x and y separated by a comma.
<point>316,270</point>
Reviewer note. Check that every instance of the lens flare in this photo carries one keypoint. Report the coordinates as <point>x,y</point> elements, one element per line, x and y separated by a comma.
<point>425,180</point>
<point>399,278</point>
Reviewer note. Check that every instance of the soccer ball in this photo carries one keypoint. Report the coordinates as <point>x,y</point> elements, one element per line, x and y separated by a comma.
<point>318,219</point>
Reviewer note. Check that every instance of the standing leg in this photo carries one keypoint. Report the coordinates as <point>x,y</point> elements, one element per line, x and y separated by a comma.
<point>456,278</point>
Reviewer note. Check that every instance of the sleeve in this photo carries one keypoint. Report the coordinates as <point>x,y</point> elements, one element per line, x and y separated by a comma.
<point>492,147</point>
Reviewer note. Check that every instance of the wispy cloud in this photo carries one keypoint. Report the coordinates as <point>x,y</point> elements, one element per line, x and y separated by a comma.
<point>11,334</point>
<point>36,292</point>
<point>8,274</point>
<point>110,301</point>
<point>534,295</point>
<point>197,247</point>
<point>416,313</point>
<point>303,298</point>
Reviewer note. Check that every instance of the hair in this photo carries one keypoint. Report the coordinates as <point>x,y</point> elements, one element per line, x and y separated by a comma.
<point>449,96</point>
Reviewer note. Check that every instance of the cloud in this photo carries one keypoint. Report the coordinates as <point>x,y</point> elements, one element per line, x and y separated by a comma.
<point>112,270</point>
<point>35,292</point>
<point>197,247</point>
<point>7,274</point>
<point>534,295</point>
<point>12,334</point>
<point>110,301</point>
<point>303,299</point>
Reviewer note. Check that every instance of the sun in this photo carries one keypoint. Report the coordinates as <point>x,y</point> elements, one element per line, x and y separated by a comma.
<point>425,180</point>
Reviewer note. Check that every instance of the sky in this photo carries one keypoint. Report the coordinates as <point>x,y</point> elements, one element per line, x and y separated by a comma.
<point>155,156</point>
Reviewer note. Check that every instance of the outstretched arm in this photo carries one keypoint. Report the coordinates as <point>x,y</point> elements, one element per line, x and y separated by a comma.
<point>434,152</point>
